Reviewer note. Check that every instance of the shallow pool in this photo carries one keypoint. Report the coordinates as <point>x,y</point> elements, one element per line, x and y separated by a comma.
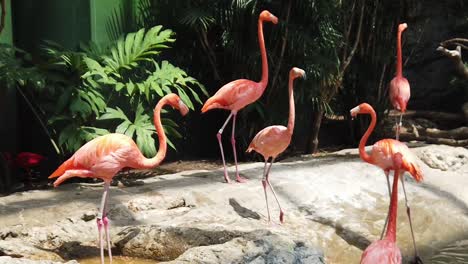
<point>117,260</point>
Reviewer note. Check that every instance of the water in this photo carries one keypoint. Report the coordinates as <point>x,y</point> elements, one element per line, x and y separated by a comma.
<point>117,260</point>
<point>453,253</point>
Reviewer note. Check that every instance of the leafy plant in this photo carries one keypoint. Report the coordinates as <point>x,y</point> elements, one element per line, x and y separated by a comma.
<point>114,90</point>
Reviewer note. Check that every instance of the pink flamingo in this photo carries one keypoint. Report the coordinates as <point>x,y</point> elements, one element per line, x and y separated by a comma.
<point>385,251</point>
<point>240,93</point>
<point>106,155</point>
<point>273,140</point>
<point>399,86</point>
<point>399,96</point>
<point>382,155</point>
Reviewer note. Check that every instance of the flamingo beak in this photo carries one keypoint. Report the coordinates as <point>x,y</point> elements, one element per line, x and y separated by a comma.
<point>274,19</point>
<point>304,76</point>
<point>183,108</point>
<point>355,111</point>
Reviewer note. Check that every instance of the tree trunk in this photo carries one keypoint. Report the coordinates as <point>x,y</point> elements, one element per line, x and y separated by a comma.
<point>314,141</point>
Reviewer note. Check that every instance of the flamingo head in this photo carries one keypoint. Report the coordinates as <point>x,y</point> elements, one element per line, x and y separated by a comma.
<point>402,27</point>
<point>267,16</point>
<point>363,108</point>
<point>177,103</point>
<point>297,72</point>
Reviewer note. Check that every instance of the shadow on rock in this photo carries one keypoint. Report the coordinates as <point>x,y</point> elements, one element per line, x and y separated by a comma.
<point>75,250</point>
<point>242,211</point>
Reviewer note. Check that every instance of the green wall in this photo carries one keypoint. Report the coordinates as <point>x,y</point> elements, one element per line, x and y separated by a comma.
<point>65,22</point>
<point>8,113</point>
<point>101,13</point>
<point>7,33</point>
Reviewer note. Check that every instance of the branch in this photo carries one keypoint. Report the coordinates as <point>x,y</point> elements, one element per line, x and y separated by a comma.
<point>283,46</point>
<point>348,31</point>
<point>356,42</point>
<point>202,37</point>
<point>455,41</point>
<point>453,137</point>
<point>456,57</point>
<point>431,115</point>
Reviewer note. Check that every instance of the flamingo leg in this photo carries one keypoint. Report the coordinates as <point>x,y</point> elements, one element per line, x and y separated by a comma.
<point>273,190</point>
<point>103,221</point>
<point>233,142</point>
<point>398,126</point>
<point>408,212</point>
<point>387,172</point>
<point>218,136</point>
<point>264,183</point>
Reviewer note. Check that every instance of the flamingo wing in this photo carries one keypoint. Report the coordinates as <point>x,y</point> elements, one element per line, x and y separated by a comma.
<point>399,93</point>
<point>270,141</point>
<point>104,155</point>
<point>383,151</point>
<point>234,96</point>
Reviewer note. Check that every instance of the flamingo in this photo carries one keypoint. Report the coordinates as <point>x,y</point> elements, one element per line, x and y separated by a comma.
<point>273,140</point>
<point>399,86</point>
<point>399,96</point>
<point>106,155</point>
<point>240,93</point>
<point>385,251</point>
<point>382,156</point>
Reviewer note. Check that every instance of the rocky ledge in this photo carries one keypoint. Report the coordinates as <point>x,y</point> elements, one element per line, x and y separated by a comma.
<point>334,207</point>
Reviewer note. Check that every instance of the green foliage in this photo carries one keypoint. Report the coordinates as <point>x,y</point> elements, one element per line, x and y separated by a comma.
<point>222,36</point>
<point>103,90</point>
<point>14,71</point>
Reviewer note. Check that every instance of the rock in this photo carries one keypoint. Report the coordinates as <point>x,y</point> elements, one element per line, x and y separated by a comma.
<point>254,248</point>
<point>10,260</point>
<point>88,216</point>
<point>18,249</point>
<point>335,206</point>
<point>166,243</point>
<point>444,157</point>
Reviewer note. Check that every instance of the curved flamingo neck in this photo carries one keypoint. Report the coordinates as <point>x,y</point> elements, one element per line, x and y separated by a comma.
<point>291,106</point>
<point>261,42</point>
<point>399,66</point>
<point>391,229</point>
<point>362,144</point>
<point>156,160</point>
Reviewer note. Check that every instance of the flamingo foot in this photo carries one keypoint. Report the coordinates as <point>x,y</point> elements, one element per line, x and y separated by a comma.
<point>101,246</point>
<point>240,179</point>
<point>105,221</point>
<point>226,178</point>
<point>282,217</point>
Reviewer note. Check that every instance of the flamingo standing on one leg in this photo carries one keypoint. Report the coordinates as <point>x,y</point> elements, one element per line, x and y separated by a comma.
<point>399,86</point>
<point>106,155</point>
<point>273,140</point>
<point>399,96</point>
<point>385,251</point>
<point>240,93</point>
<point>382,154</point>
